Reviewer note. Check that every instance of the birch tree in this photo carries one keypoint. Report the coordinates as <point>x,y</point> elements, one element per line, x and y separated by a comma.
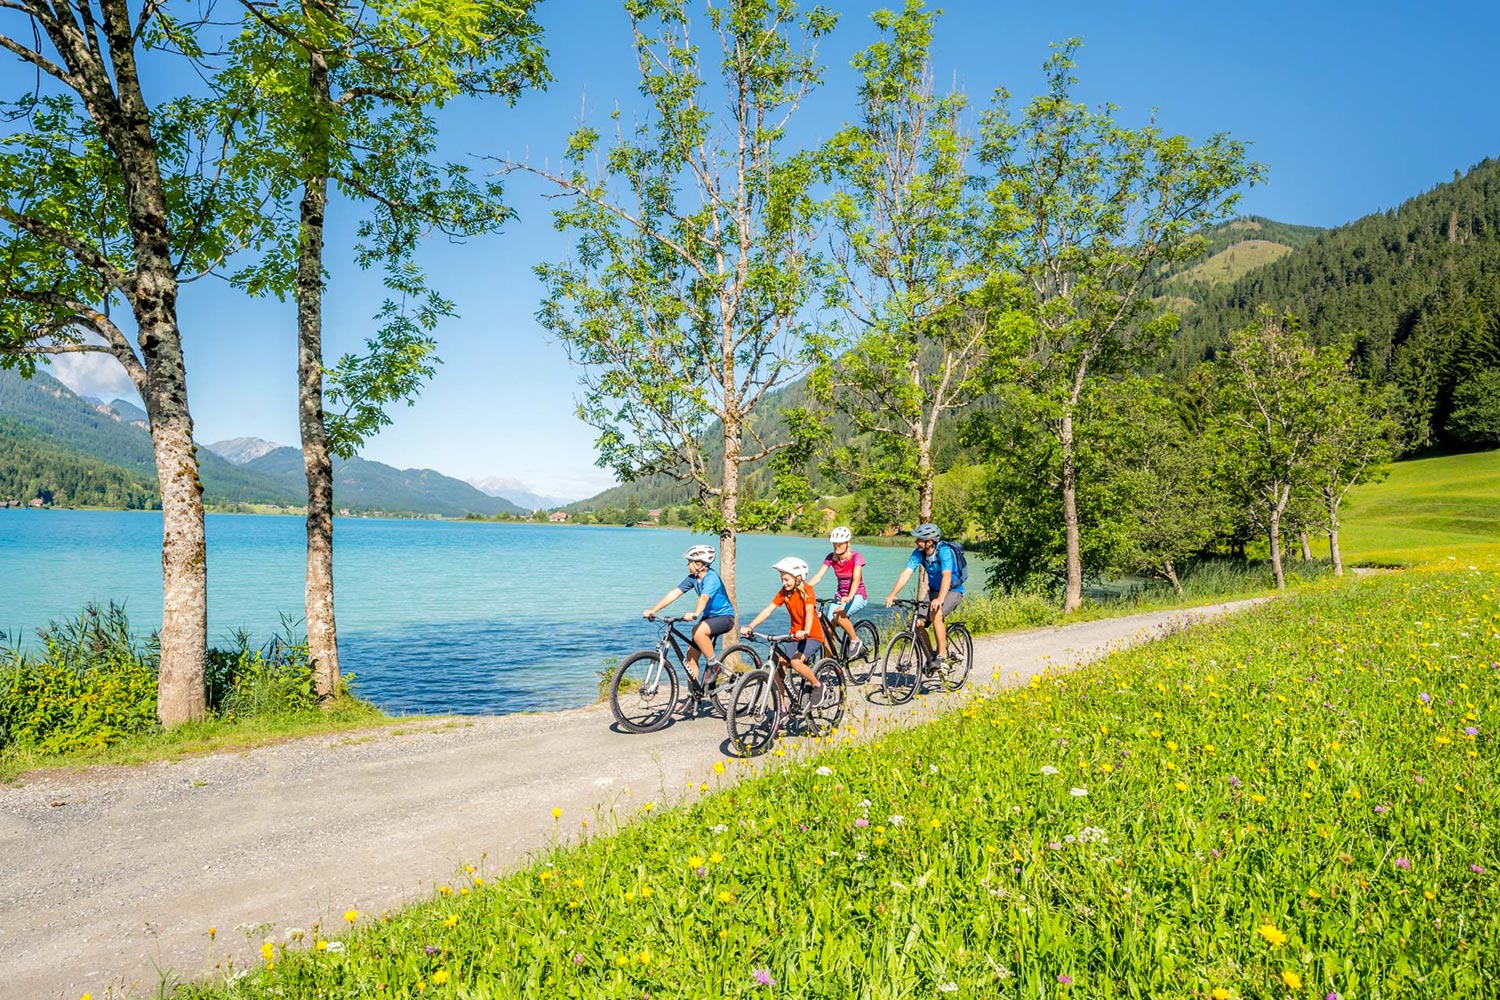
<point>692,292</point>
<point>914,246</point>
<point>1098,207</point>
<point>344,96</point>
<point>109,199</point>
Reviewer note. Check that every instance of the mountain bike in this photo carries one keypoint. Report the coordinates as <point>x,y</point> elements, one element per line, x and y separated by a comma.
<point>909,656</point>
<point>861,668</point>
<point>644,688</point>
<point>766,699</point>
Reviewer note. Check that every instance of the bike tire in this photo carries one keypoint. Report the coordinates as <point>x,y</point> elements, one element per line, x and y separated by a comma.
<point>826,718</point>
<point>901,669</point>
<point>643,692</point>
<point>862,668</point>
<point>755,713</point>
<point>960,657</point>
<point>737,659</point>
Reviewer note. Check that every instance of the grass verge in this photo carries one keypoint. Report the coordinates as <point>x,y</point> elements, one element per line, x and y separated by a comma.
<point>1297,802</point>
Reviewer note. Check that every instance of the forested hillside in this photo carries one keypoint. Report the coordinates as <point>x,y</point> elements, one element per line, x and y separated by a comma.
<point>31,467</point>
<point>364,485</point>
<point>1415,289</point>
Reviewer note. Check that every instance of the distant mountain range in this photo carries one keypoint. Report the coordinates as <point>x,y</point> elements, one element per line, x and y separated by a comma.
<point>518,493</point>
<point>45,415</point>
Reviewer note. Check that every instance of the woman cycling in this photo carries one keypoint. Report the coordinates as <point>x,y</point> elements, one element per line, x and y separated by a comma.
<point>849,570</point>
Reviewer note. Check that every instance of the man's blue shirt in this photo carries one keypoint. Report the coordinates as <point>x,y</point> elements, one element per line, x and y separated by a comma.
<point>940,560</point>
<point>711,584</point>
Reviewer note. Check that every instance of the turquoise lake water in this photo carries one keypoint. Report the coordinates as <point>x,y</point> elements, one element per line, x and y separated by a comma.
<point>434,616</point>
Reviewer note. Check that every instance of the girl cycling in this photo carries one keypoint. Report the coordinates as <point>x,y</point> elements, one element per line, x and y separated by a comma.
<point>849,570</point>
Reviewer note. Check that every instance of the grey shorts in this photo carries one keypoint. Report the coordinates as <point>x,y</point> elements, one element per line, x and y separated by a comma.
<point>951,602</point>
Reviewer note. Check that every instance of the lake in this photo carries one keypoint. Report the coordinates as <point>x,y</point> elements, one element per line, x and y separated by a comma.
<point>434,616</point>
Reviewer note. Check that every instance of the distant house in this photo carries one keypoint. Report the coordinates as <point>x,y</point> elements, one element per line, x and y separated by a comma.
<point>829,513</point>
<point>38,502</point>
<point>655,515</point>
<point>557,516</point>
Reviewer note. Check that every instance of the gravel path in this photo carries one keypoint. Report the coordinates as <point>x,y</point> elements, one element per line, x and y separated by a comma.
<point>111,878</point>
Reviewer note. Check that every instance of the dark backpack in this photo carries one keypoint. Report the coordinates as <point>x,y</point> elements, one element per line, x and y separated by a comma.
<point>960,564</point>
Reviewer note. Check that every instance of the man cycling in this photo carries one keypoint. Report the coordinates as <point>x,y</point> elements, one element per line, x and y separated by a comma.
<point>941,566</point>
<point>714,608</point>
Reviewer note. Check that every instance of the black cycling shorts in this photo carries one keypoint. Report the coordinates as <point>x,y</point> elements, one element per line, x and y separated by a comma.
<point>718,625</point>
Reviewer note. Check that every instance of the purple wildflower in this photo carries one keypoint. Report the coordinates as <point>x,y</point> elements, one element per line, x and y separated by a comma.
<point>577,959</point>
<point>702,872</point>
<point>1215,853</point>
<point>861,822</point>
<point>1404,864</point>
<point>1382,810</point>
<point>1471,731</point>
<point>1054,845</point>
<point>1234,782</point>
<point>1425,697</point>
<point>1065,979</point>
<point>1478,869</point>
<point>763,977</point>
<point>431,949</point>
<point>1332,995</point>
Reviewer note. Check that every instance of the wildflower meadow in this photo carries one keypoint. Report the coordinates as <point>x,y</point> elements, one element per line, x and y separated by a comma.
<point>1300,801</point>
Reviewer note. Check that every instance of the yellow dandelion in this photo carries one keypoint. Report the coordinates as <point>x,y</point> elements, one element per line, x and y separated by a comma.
<point>695,861</point>
<point>1292,980</point>
<point>1219,993</point>
<point>351,915</point>
<point>1272,934</point>
<point>268,951</point>
<point>718,767</point>
<point>715,858</point>
<point>322,945</point>
<point>936,823</point>
<point>440,977</point>
<point>556,814</point>
<point>725,896</point>
<point>451,920</point>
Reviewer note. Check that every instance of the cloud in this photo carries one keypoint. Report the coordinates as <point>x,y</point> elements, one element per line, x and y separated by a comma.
<point>94,375</point>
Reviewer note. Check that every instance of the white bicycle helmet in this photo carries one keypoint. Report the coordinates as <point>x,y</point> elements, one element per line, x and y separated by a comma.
<point>792,565</point>
<point>841,534</point>
<point>700,553</point>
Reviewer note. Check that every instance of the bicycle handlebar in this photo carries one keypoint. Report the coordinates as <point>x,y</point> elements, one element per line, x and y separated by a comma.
<point>669,620</point>
<point>765,637</point>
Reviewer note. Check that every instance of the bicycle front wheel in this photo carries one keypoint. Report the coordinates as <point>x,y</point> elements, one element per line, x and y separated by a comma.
<point>643,692</point>
<point>737,660</point>
<point>754,715</point>
<point>960,657</point>
<point>903,669</point>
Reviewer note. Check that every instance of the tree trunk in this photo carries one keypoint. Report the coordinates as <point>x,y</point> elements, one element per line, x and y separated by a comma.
<point>729,510</point>
<point>1171,573</point>
<point>925,478</point>
<point>317,464</point>
<point>1073,597</point>
<point>1307,552</point>
<point>1276,550</point>
<point>180,692</point>
<point>1334,553</point>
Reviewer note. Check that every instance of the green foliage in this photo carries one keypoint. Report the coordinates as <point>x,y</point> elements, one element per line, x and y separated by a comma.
<point>1476,409</point>
<point>1215,811</point>
<point>984,613</point>
<point>92,684</point>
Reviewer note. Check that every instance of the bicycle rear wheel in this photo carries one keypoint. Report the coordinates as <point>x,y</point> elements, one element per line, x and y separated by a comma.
<point>862,667</point>
<point>737,659</point>
<point>903,669</point>
<point>825,718</point>
<point>755,713</point>
<point>960,657</point>
<point>643,692</point>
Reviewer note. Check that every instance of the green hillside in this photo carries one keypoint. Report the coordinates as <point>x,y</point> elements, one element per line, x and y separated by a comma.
<point>1450,503</point>
<point>31,466</point>
<point>1416,289</point>
<point>360,484</point>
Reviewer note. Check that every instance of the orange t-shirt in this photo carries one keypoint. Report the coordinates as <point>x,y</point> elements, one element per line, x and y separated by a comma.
<point>802,607</point>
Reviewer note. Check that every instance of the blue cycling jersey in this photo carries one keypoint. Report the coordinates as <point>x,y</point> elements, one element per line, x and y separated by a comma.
<point>935,564</point>
<point>711,584</point>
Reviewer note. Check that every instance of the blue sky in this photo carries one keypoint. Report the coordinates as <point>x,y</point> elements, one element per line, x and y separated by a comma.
<point>1354,108</point>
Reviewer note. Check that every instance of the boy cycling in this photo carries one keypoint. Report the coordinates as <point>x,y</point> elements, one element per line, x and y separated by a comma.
<point>848,569</point>
<point>714,608</point>
<point>801,604</point>
<point>942,568</point>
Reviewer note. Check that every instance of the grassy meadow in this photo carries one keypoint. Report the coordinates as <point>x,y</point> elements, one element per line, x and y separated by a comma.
<point>1297,802</point>
<point>1428,508</point>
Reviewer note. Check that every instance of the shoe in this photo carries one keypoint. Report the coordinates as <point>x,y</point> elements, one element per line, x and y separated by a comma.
<point>939,664</point>
<point>822,696</point>
<point>855,651</point>
<point>711,673</point>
